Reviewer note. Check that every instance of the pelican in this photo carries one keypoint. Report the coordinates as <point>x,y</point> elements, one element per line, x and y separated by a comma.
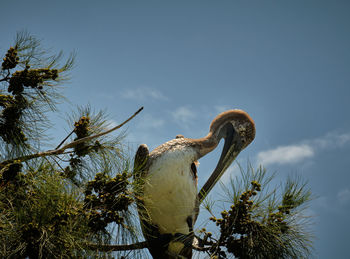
<point>168,203</point>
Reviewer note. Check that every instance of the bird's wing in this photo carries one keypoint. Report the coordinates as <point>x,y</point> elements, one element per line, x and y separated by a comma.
<point>140,161</point>
<point>139,173</point>
<point>156,242</point>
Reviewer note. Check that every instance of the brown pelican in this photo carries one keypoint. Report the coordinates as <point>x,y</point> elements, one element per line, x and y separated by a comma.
<point>168,198</point>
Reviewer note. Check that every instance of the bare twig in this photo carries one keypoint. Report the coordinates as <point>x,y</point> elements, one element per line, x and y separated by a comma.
<point>69,145</point>
<point>65,139</point>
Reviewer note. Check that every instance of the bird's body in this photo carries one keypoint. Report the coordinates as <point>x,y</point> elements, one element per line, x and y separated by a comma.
<point>169,202</point>
<point>168,210</point>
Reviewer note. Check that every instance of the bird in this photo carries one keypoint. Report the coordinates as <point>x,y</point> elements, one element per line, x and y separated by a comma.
<point>167,195</point>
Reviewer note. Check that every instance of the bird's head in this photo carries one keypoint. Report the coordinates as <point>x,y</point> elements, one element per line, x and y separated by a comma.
<point>237,129</point>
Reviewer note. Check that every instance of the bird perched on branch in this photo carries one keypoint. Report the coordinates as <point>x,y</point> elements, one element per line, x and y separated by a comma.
<point>168,203</point>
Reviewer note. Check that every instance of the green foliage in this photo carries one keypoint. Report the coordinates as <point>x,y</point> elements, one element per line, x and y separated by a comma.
<point>39,214</point>
<point>261,223</point>
<point>103,155</point>
<point>33,78</point>
<point>11,59</point>
<point>56,205</point>
<point>29,78</point>
<point>105,197</point>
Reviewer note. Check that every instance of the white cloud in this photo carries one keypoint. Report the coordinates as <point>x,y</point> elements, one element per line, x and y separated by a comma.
<point>295,153</point>
<point>343,139</point>
<point>143,93</point>
<point>183,115</point>
<point>344,196</point>
<point>331,140</point>
<point>285,154</point>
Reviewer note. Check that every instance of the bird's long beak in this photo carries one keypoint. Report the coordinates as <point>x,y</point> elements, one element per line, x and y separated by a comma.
<point>232,147</point>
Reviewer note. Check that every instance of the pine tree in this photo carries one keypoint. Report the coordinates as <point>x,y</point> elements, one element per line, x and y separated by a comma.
<point>77,200</point>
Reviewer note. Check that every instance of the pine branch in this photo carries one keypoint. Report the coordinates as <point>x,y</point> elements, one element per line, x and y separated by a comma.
<point>135,246</point>
<point>108,248</point>
<point>72,144</point>
<point>64,140</point>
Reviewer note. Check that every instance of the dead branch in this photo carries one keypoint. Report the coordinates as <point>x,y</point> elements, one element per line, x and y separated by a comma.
<point>108,248</point>
<point>72,144</point>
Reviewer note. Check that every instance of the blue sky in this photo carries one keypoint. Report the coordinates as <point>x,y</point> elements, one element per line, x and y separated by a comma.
<point>287,63</point>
